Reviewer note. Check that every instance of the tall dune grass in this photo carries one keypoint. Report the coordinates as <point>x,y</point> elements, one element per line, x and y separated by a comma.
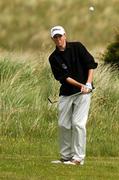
<point>26,83</point>
<point>104,120</point>
<point>24,89</point>
<point>25,24</point>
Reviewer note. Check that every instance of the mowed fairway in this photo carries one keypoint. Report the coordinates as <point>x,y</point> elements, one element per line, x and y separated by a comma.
<point>18,167</point>
<point>31,160</point>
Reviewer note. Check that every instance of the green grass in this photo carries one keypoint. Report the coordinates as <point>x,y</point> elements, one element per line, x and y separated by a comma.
<point>24,90</point>
<point>31,159</point>
<point>26,84</point>
<point>40,168</point>
<point>28,122</point>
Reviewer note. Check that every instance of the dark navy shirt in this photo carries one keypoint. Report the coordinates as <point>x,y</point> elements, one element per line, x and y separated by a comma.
<point>75,62</point>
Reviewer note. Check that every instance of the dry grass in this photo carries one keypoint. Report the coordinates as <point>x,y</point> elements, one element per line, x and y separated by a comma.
<point>25,24</point>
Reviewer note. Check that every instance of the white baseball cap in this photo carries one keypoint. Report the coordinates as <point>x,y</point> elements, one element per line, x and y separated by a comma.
<point>57,30</point>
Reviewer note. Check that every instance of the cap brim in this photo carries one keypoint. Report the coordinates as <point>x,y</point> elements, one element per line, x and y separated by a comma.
<point>57,32</point>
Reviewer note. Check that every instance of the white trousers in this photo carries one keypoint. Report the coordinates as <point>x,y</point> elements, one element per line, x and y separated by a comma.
<point>73,115</point>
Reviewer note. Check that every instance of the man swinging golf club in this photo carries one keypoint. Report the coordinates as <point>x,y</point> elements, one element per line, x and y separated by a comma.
<point>73,66</point>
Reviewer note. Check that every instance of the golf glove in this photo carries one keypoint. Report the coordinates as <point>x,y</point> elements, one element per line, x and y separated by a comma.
<point>89,86</point>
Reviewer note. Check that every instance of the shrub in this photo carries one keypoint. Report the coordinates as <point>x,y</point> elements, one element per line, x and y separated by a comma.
<point>112,53</point>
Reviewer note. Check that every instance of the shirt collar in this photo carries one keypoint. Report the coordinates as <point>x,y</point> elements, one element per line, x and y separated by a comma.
<point>67,47</point>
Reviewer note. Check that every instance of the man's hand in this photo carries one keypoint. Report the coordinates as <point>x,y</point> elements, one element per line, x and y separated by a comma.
<point>86,88</point>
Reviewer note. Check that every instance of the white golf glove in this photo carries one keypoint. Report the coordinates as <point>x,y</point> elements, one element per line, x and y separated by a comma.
<point>89,86</point>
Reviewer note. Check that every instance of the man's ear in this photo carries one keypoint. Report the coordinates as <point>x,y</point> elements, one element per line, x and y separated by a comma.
<point>52,39</point>
<point>65,35</point>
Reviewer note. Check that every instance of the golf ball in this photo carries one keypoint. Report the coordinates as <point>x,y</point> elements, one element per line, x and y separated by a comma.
<point>91,8</point>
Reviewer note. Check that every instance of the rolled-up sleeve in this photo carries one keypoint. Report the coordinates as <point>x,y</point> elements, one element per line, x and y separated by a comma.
<point>86,58</point>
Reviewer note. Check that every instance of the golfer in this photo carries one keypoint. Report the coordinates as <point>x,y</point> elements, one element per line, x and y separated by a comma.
<point>73,66</point>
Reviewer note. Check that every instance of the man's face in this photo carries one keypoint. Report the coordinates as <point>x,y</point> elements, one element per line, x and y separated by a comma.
<point>60,41</point>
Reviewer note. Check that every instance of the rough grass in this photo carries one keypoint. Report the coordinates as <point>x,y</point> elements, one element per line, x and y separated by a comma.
<point>24,91</point>
<point>28,123</point>
<point>26,84</point>
<point>25,24</point>
<point>103,125</point>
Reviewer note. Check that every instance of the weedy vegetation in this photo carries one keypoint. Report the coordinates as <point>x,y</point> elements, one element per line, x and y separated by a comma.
<point>28,120</point>
<point>25,24</point>
<point>28,123</point>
